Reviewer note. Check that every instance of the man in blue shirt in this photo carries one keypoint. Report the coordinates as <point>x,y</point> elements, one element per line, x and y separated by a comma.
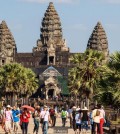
<point>16,118</point>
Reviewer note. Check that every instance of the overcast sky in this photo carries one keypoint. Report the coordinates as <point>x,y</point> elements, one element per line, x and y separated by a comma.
<point>78,18</point>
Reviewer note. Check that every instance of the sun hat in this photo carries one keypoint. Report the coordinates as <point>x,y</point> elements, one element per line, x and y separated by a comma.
<point>77,109</point>
<point>45,106</point>
<point>8,106</point>
<point>74,107</point>
<point>85,108</point>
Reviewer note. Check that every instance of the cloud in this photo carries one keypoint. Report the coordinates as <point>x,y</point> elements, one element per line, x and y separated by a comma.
<point>55,1</point>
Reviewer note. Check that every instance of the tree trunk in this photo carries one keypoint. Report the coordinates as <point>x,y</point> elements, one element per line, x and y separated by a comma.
<point>75,100</point>
<point>88,103</point>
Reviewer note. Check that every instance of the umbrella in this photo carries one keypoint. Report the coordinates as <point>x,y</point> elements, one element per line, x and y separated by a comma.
<point>28,108</point>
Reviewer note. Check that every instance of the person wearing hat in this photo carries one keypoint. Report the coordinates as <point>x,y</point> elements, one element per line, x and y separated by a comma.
<point>84,118</point>
<point>8,119</point>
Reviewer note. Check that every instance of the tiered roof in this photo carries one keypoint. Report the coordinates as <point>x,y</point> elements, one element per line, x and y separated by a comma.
<point>51,26</point>
<point>98,40</point>
<point>6,38</point>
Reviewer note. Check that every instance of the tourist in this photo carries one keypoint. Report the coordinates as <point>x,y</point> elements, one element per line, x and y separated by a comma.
<point>24,117</point>
<point>8,119</point>
<point>102,118</point>
<point>36,116</point>
<point>2,111</point>
<point>78,121</point>
<point>70,115</point>
<point>84,118</point>
<point>97,123</point>
<point>73,117</point>
<point>93,115</point>
<point>91,120</point>
<point>64,115</point>
<point>53,114</point>
<point>45,119</point>
<point>16,118</point>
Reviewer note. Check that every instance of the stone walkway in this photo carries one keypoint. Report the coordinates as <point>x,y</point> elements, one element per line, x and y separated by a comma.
<point>58,128</point>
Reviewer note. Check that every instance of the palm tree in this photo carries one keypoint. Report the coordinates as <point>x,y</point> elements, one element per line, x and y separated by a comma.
<point>110,85</point>
<point>86,73</point>
<point>15,80</point>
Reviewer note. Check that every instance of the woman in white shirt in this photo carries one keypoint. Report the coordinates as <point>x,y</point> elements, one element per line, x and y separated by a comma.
<point>97,122</point>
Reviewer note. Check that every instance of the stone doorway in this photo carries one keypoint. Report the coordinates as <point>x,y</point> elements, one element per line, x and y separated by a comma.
<point>51,60</point>
<point>50,93</point>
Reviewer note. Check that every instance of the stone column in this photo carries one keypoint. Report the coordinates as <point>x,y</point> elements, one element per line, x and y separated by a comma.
<point>46,94</point>
<point>54,60</point>
<point>48,60</point>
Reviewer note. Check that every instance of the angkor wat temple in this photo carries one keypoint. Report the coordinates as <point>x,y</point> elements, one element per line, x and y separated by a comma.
<point>51,55</point>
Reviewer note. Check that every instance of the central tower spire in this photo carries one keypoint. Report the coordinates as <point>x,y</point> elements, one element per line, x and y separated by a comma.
<point>51,26</point>
<point>51,42</point>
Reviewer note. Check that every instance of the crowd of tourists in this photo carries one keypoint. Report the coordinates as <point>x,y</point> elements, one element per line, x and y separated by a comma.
<point>81,120</point>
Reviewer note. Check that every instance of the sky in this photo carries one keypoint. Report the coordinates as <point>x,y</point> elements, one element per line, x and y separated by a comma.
<point>78,18</point>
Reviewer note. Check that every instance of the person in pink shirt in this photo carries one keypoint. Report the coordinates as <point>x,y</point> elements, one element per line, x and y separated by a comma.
<point>8,119</point>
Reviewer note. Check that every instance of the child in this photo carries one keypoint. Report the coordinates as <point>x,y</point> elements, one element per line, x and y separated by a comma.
<point>78,122</point>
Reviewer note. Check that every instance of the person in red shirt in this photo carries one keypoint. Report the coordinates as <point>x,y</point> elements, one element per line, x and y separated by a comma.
<point>24,117</point>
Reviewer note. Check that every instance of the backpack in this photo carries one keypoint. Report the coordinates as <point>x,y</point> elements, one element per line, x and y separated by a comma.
<point>63,114</point>
<point>52,112</point>
<point>33,115</point>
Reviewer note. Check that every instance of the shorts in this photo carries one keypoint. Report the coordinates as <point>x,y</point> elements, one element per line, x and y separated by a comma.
<point>78,126</point>
<point>16,124</point>
<point>84,125</point>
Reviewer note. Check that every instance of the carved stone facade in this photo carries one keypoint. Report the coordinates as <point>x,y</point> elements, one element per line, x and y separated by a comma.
<point>7,45</point>
<point>52,87</point>
<point>51,49</point>
<point>98,40</point>
<point>51,42</point>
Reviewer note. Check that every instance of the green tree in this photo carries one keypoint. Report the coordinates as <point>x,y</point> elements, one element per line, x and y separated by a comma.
<point>16,80</point>
<point>86,73</point>
<point>110,85</point>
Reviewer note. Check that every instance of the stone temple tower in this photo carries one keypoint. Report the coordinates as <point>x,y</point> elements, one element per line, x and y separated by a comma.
<point>98,40</point>
<point>51,41</point>
<point>7,45</point>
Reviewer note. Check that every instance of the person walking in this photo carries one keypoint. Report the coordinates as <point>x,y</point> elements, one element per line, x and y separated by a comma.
<point>73,114</point>
<point>102,118</point>
<point>78,121</point>
<point>97,123</point>
<point>53,115</point>
<point>36,116</point>
<point>84,118</point>
<point>64,115</point>
<point>45,116</point>
<point>16,118</point>
<point>24,117</point>
<point>8,119</point>
<point>93,115</point>
<point>70,115</point>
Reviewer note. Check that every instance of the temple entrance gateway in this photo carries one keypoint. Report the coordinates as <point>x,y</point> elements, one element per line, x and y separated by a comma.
<point>51,93</point>
<point>52,87</point>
